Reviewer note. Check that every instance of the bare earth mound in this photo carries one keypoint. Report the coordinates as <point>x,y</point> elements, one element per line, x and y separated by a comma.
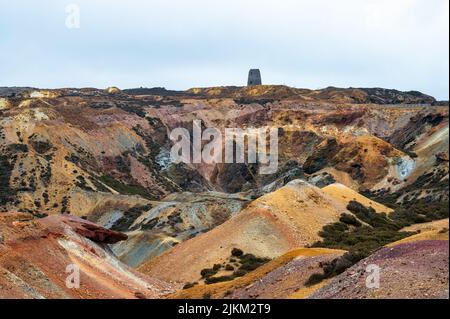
<point>410,270</point>
<point>290,278</point>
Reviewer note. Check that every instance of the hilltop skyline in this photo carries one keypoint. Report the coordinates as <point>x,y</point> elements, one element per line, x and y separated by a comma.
<point>179,45</point>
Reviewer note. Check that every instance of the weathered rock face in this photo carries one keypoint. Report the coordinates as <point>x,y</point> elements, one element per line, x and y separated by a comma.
<point>270,226</point>
<point>104,155</point>
<point>157,228</point>
<point>88,152</point>
<point>282,278</point>
<point>268,93</point>
<point>35,255</point>
<point>254,77</point>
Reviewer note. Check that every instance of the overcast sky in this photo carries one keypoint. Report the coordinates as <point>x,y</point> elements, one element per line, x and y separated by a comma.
<point>179,44</point>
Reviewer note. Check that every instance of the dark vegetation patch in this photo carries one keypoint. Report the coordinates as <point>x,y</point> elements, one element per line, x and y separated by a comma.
<point>64,204</point>
<point>360,240</point>
<point>148,159</point>
<point>190,285</point>
<point>122,164</point>
<point>339,118</point>
<point>151,145</point>
<point>290,171</point>
<point>152,223</point>
<point>420,212</point>
<point>133,108</point>
<point>174,218</point>
<point>389,96</point>
<point>185,177</point>
<point>167,102</point>
<point>7,194</point>
<point>409,208</point>
<point>72,158</point>
<point>40,145</point>
<point>154,91</point>
<point>349,219</point>
<point>247,101</point>
<point>124,223</point>
<point>137,106</point>
<point>404,138</point>
<point>334,267</point>
<point>232,177</point>
<point>102,105</point>
<point>45,197</point>
<point>46,174</point>
<point>82,183</point>
<point>82,158</point>
<point>238,265</point>
<point>17,148</point>
<point>126,189</point>
<point>99,186</point>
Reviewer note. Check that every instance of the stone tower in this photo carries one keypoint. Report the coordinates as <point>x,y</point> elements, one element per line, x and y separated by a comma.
<point>254,77</point>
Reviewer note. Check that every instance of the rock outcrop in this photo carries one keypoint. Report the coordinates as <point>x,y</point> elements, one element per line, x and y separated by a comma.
<point>37,256</point>
<point>270,226</point>
<point>104,156</point>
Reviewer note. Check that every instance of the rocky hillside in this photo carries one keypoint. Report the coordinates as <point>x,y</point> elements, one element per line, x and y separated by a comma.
<point>353,163</point>
<point>270,226</point>
<point>35,254</point>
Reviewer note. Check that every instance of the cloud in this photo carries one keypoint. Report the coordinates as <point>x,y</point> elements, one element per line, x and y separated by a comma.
<point>179,44</point>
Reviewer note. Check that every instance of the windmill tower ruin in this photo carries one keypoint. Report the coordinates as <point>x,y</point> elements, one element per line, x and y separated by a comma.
<point>254,77</point>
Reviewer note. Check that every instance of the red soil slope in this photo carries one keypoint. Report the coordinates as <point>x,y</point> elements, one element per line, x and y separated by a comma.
<point>34,255</point>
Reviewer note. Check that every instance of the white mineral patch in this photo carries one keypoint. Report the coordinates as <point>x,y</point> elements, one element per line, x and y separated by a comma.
<point>25,103</point>
<point>4,104</point>
<point>42,94</point>
<point>40,116</point>
<point>405,167</point>
<point>163,159</point>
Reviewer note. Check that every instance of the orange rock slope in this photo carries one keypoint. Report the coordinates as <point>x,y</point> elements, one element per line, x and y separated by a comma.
<point>272,225</point>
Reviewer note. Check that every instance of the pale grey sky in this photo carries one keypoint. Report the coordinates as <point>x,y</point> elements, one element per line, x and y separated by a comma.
<point>179,44</point>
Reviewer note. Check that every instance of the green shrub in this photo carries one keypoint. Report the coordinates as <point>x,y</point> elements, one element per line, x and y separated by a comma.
<point>190,285</point>
<point>124,223</point>
<point>349,220</point>
<point>250,262</point>
<point>6,192</point>
<point>420,212</point>
<point>236,252</point>
<point>208,272</point>
<point>125,188</point>
<point>239,273</point>
<point>360,241</point>
<point>314,279</point>
<point>370,216</point>
<point>213,280</point>
<point>336,266</point>
<point>229,267</point>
